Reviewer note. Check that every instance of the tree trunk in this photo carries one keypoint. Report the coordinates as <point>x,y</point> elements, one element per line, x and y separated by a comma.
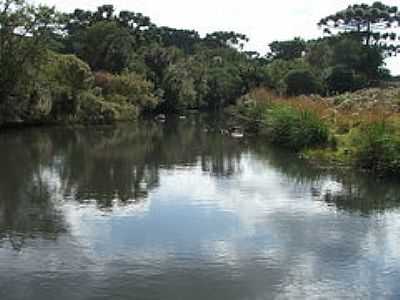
<point>368,34</point>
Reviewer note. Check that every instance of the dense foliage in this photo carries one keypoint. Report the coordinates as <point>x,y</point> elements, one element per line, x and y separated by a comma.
<point>24,32</point>
<point>104,65</point>
<point>287,50</point>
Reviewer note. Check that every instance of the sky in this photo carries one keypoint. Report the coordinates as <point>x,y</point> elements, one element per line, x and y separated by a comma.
<point>262,21</point>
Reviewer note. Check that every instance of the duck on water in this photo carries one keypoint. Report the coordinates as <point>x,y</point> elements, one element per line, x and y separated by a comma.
<point>235,132</point>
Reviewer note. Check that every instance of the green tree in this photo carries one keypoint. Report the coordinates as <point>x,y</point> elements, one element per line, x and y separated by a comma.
<point>142,31</point>
<point>340,79</point>
<point>105,46</point>
<point>78,20</point>
<point>104,12</point>
<point>225,86</point>
<point>135,90</point>
<point>279,68</point>
<point>66,77</point>
<point>370,22</point>
<point>319,54</point>
<point>24,31</point>
<point>345,63</point>
<point>352,54</point>
<point>180,38</point>
<point>158,59</point>
<point>140,27</point>
<point>179,87</point>
<point>226,39</point>
<point>287,50</point>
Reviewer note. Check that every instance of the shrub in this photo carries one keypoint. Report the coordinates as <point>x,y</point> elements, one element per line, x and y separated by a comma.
<point>301,82</point>
<point>378,148</point>
<point>296,129</point>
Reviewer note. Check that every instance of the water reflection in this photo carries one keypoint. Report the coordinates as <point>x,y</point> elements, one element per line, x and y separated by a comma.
<point>26,190</point>
<point>345,190</point>
<point>360,194</point>
<point>174,211</point>
<point>108,166</point>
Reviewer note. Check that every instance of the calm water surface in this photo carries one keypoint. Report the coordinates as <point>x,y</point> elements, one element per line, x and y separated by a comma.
<point>173,211</point>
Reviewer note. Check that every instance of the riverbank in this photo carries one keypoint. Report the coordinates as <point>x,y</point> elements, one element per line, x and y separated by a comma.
<point>358,130</point>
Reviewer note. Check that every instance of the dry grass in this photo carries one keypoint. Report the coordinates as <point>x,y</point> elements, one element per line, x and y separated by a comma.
<point>340,117</point>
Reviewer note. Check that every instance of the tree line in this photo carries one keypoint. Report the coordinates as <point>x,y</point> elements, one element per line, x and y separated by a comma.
<point>107,65</point>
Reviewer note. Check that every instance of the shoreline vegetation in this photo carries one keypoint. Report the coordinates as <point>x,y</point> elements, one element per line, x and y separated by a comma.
<point>360,129</point>
<point>330,99</point>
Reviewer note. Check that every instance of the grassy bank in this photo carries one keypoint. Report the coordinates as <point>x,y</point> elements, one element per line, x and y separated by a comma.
<point>359,129</point>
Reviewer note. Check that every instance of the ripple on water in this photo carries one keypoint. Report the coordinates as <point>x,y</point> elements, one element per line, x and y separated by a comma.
<point>170,212</point>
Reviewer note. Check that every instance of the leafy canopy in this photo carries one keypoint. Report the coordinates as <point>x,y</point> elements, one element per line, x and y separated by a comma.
<point>287,50</point>
<point>372,23</point>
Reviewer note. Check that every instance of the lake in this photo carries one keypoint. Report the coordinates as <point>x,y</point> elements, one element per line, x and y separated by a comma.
<point>175,211</point>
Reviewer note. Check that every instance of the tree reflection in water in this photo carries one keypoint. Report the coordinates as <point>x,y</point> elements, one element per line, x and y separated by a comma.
<point>342,189</point>
<point>27,195</point>
<point>108,165</point>
<point>362,195</point>
<point>120,165</point>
